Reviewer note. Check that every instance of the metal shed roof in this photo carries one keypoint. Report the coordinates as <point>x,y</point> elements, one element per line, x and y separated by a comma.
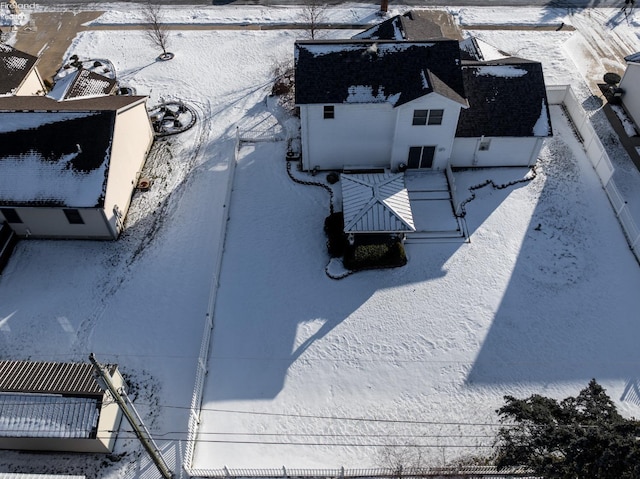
<point>376,203</point>
<point>48,377</point>
<point>48,415</point>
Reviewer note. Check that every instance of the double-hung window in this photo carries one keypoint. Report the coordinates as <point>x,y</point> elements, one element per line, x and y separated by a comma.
<point>427,117</point>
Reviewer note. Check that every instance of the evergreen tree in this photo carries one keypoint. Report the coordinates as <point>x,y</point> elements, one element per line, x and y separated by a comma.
<point>578,437</point>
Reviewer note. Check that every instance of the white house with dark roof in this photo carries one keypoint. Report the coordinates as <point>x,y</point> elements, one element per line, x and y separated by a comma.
<point>378,104</point>
<point>68,169</point>
<point>18,73</point>
<point>416,104</point>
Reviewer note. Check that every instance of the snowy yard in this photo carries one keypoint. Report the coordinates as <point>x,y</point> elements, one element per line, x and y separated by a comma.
<point>542,299</point>
<point>300,359</point>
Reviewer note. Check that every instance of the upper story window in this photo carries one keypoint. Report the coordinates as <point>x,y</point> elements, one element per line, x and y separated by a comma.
<point>11,215</point>
<point>73,216</point>
<point>427,117</point>
<point>329,112</point>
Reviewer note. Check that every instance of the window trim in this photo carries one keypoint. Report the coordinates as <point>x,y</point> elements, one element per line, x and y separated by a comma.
<point>432,117</point>
<point>73,216</point>
<point>435,117</point>
<point>420,117</point>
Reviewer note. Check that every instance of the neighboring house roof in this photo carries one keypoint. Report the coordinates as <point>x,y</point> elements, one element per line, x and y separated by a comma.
<point>368,71</point>
<point>633,58</point>
<point>82,83</point>
<point>376,203</point>
<point>56,153</point>
<point>47,399</point>
<point>472,48</point>
<point>506,98</point>
<point>46,415</point>
<point>49,377</point>
<point>14,68</point>
<point>413,25</point>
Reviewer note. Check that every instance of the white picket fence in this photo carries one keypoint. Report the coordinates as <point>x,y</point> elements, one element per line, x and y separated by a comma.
<point>595,151</point>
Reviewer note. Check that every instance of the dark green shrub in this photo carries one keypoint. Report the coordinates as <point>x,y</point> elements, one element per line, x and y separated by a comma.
<point>384,254</point>
<point>336,239</point>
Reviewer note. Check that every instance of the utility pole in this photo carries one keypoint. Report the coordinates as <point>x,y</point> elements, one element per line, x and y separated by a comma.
<point>133,417</point>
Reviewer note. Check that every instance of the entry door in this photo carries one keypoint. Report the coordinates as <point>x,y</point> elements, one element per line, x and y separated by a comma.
<point>421,156</point>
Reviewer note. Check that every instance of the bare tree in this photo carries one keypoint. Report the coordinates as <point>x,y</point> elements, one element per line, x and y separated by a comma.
<point>157,31</point>
<point>314,13</point>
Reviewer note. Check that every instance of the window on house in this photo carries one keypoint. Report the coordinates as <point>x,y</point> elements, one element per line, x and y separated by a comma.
<point>11,215</point>
<point>427,117</point>
<point>420,117</point>
<point>421,156</point>
<point>484,145</point>
<point>435,117</point>
<point>329,112</point>
<point>73,216</point>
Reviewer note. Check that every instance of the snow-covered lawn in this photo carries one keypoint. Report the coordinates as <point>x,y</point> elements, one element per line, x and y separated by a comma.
<point>541,300</point>
<point>522,308</point>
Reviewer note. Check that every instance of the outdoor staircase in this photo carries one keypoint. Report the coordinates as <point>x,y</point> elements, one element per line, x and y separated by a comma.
<point>8,241</point>
<point>432,207</point>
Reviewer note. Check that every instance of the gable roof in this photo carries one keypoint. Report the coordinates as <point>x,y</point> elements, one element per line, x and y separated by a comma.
<point>56,153</point>
<point>82,83</point>
<point>506,98</point>
<point>14,68</point>
<point>375,203</point>
<point>367,71</point>
<point>413,25</point>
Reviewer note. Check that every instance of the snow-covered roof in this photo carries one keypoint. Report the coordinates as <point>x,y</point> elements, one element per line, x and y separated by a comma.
<point>368,71</point>
<point>377,202</point>
<point>507,98</point>
<point>412,25</point>
<point>48,415</point>
<point>14,68</point>
<point>82,83</point>
<point>56,153</point>
<point>473,48</point>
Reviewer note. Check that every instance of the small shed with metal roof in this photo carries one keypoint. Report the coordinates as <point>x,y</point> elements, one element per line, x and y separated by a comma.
<point>48,406</point>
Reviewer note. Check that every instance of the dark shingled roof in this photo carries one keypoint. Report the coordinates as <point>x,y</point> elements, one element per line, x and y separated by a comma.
<point>413,25</point>
<point>395,72</point>
<point>40,137</point>
<point>87,83</point>
<point>14,68</point>
<point>506,98</point>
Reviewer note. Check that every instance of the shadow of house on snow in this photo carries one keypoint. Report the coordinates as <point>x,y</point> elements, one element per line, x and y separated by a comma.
<point>557,320</point>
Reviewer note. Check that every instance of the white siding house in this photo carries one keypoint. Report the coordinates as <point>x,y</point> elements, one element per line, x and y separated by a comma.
<point>388,104</point>
<point>630,84</point>
<point>68,169</point>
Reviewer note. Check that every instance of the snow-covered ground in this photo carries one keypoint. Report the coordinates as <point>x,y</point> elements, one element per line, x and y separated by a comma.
<point>542,299</point>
